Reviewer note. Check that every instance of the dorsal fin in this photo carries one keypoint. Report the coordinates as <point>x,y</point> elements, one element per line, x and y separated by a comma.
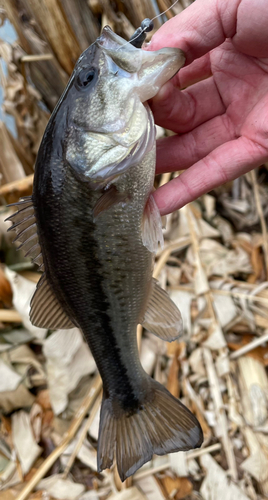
<point>24,224</point>
<point>46,311</point>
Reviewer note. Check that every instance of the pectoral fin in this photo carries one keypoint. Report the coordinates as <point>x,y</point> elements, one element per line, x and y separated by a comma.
<point>162,317</point>
<point>152,233</point>
<point>109,198</point>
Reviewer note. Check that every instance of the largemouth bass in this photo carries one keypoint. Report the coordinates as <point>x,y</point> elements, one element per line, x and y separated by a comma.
<point>92,226</point>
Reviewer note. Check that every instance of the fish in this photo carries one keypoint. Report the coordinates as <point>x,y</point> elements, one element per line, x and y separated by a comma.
<point>93,227</point>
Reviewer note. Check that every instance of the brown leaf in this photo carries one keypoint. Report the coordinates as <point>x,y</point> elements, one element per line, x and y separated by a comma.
<point>5,290</point>
<point>43,399</point>
<point>173,384</point>
<point>19,398</point>
<point>181,485</point>
<point>260,353</point>
<point>257,264</point>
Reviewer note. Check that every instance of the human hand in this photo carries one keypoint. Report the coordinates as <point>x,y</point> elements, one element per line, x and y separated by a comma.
<point>222,121</point>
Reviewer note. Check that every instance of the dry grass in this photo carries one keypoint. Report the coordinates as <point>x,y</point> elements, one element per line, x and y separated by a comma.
<point>214,265</point>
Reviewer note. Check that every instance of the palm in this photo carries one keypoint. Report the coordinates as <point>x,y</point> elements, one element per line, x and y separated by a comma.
<point>221,117</point>
<point>242,83</point>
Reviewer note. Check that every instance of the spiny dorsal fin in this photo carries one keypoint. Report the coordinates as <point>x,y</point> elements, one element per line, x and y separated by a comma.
<point>162,317</point>
<point>24,224</point>
<point>46,311</point>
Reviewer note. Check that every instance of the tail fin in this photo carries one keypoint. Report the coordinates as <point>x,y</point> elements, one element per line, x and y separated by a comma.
<point>163,425</point>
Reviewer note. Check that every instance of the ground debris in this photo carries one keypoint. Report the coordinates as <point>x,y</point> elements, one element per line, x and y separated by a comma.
<point>214,265</point>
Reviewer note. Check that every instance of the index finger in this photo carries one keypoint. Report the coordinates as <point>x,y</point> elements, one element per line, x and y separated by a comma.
<point>204,25</point>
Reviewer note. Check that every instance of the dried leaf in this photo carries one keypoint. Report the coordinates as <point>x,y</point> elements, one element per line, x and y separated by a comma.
<point>179,487</point>
<point>9,476</point>
<point>5,290</point>
<point>16,337</point>
<point>216,485</point>
<point>19,398</point>
<point>254,389</point>
<point>68,360</point>
<point>27,365</point>
<point>89,495</point>
<point>23,291</point>
<point>257,466</point>
<point>223,364</point>
<point>150,488</point>
<point>63,489</point>
<point>225,309</point>
<point>183,301</point>
<point>24,441</point>
<point>128,494</point>
<point>220,261</point>
<point>216,339</point>
<point>86,453</point>
<point>178,463</point>
<point>9,378</point>
<point>147,356</point>
<point>197,363</point>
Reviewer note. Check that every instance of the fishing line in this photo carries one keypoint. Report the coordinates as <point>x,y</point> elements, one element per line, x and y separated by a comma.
<point>146,26</point>
<point>162,13</point>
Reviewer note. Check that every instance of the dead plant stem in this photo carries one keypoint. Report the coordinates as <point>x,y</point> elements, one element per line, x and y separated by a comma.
<point>86,405</point>
<point>262,219</point>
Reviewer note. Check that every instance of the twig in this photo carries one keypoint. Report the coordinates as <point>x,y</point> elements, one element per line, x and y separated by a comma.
<point>3,78</point>
<point>164,255</point>
<point>164,6</point>
<point>82,436</point>
<point>202,287</point>
<point>77,421</point>
<point>220,412</point>
<point>30,275</point>
<point>20,185</point>
<point>230,293</point>
<point>203,451</point>
<point>139,335</point>
<point>37,57</point>
<point>189,456</point>
<point>250,346</point>
<point>165,178</point>
<point>262,219</point>
<point>10,316</point>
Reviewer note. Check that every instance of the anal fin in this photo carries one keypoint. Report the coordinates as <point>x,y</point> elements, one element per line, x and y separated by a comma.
<point>162,317</point>
<point>46,311</point>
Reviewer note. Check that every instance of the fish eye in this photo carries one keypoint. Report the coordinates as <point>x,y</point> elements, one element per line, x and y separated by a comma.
<point>86,77</point>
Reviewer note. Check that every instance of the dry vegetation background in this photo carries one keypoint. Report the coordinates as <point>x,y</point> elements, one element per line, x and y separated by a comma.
<point>214,265</point>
